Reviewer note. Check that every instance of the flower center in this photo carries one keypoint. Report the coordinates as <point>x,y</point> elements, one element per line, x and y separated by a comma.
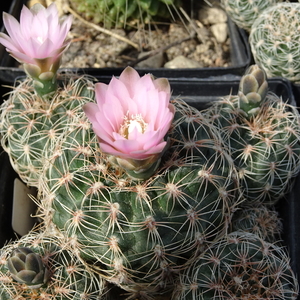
<point>135,122</point>
<point>40,39</point>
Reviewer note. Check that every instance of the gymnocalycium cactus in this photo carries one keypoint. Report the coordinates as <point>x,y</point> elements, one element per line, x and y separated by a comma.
<point>62,274</point>
<point>122,13</point>
<point>140,233</point>
<point>29,123</point>
<point>263,134</point>
<point>239,266</point>
<point>261,220</point>
<point>37,107</point>
<point>27,267</point>
<point>245,12</point>
<point>275,40</point>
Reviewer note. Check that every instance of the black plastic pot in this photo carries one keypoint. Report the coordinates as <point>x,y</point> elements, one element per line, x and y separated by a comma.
<point>4,6</point>
<point>199,93</point>
<point>7,177</point>
<point>240,58</point>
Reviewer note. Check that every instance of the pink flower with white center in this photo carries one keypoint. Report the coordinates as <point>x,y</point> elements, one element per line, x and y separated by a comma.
<point>39,40</point>
<point>131,118</point>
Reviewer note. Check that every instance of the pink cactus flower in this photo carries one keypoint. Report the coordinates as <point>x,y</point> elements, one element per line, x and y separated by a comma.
<point>132,117</point>
<point>38,40</point>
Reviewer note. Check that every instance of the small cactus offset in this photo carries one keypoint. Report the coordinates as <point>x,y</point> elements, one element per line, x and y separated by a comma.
<point>275,40</point>
<point>27,267</point>
<point>43,267</point>
<point>263,134</point>
<point>239,266</point>
<point>260,220</point>
<point>122,13</point>
<point>245,12</point>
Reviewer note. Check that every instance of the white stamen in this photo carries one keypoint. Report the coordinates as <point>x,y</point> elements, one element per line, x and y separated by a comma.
<point>40,39</point>
<point>130,124</point>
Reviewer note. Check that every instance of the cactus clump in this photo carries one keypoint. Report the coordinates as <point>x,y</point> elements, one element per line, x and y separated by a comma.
<point>29,122</point>
<point>44,267</point>
<point>239,266</point>
<point>122,13</point>
<point>275,40</point>
<point>245,12</point>
<point>263,134</point>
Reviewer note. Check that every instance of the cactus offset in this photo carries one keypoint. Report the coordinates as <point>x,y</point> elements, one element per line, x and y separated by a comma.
<point>65,276</point>
<point>274,40</point>
<point>239,266</point>
<point>263,134</point>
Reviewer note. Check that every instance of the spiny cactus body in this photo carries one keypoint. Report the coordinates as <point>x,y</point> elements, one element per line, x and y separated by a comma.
<point>239,266</point>
<point>260,220</point>
<point>263,134</point>
<point>245,12</point>
<point>141,233</point>
<point>43,267</point>
<point>122,13</point>
<point>275,40</point>
<point>30,123</point>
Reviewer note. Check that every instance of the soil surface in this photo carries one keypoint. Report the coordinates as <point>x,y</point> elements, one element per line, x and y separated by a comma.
<point>195,40</point>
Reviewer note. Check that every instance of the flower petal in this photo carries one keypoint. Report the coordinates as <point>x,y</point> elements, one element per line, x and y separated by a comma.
<point>130,77</point>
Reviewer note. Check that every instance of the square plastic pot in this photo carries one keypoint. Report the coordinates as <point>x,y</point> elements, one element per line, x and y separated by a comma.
<point>240,59</point>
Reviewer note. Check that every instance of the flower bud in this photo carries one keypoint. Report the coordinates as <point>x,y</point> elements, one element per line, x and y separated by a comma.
<point>252,90</point>
<point>38,42</point>
<point>26,267</point>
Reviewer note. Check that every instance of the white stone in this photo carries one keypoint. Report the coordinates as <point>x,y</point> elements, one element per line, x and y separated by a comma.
<point>212,15</point>
<point>182,62</point>
<point>220,32</point>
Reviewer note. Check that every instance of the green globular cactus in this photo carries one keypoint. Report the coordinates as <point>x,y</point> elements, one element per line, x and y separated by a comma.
<point>245,12</point>
<point>122,13</point>
<point>239,266</point>
<point>275,40</point>
<point>29,123</point>
<point>263,134</point>
<point>44,267</point>
<point>140,234</point>
<point>260,220</point>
